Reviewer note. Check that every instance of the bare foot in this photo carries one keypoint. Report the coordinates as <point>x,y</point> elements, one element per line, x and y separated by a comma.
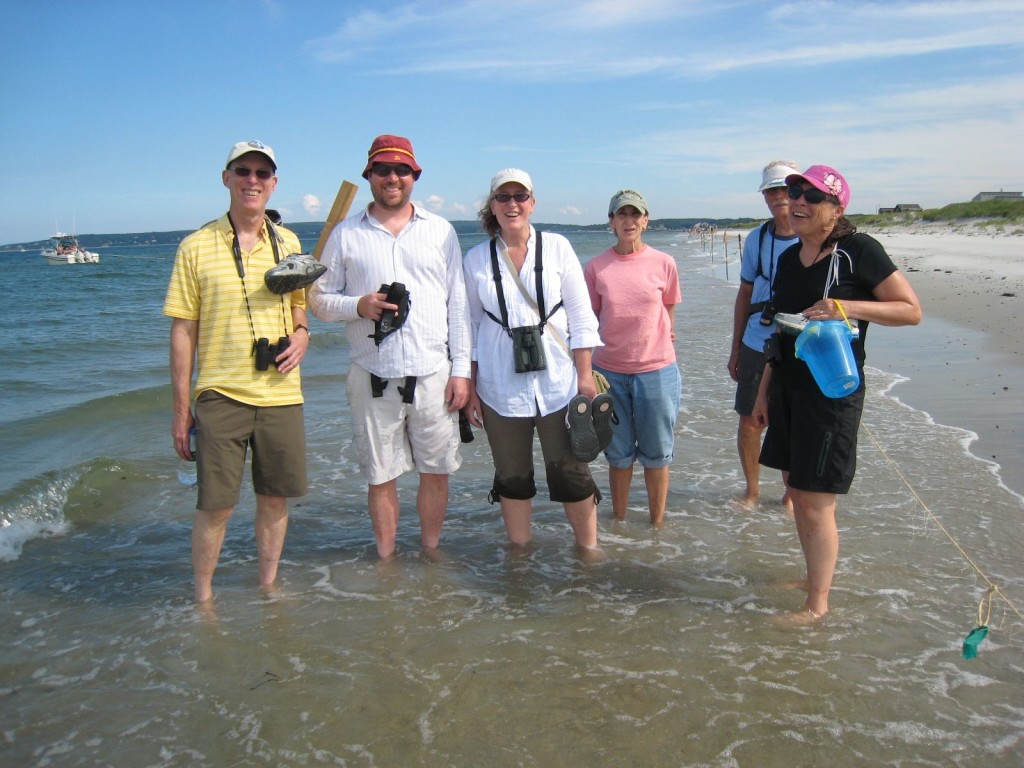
<point>798,618</point>
<point>748,503</point>
<point>591,554</point>
<point>207,611</point>
<point>800,584</point>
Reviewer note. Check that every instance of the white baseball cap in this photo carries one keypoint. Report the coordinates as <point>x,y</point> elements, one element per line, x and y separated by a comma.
<point>507,175</point>
<point>245,147</point>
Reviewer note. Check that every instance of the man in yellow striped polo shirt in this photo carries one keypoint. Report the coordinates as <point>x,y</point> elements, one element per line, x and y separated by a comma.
<point>246,343</point>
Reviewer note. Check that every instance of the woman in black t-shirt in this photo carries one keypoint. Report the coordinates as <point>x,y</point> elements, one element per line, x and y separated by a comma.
<point>833,273</point>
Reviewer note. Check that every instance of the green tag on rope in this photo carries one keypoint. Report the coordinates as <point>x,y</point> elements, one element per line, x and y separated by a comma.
<point>972,641</point>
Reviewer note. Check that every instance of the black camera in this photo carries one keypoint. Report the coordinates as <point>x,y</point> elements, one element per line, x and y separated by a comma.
<point>465,428</point>
<point>527,349</point>
<point>768,313</point>
<point>390,319</point>
<point>266,353</point>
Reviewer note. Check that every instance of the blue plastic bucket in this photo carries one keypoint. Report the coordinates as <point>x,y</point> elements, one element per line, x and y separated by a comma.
<point>825,347</point>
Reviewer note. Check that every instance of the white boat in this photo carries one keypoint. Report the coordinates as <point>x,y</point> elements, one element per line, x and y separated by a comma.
<point>64,249</point>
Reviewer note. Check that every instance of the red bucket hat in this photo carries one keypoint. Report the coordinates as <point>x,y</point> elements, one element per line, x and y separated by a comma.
<point>391,149</point>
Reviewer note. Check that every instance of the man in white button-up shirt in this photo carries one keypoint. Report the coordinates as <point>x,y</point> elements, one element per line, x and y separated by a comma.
<point>406,387</point>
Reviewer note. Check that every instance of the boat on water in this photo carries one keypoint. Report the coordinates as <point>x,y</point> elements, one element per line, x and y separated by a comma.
<point>64,249</point>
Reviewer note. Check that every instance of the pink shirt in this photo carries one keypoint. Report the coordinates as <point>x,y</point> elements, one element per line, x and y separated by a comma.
<point>631,296</point>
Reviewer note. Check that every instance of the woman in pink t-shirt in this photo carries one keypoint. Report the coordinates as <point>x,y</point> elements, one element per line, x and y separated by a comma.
<point>634,289</point>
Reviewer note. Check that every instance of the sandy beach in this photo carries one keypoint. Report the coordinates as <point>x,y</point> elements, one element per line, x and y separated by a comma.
<point>973,282</point>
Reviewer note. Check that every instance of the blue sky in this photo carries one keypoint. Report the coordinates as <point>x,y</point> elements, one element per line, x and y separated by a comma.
<point>117,116</point>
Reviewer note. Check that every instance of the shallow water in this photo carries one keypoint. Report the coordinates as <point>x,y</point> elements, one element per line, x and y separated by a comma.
<point>664,653</point>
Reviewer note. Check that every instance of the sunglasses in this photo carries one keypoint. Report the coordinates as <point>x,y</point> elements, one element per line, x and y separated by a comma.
<point>243,172</point>
<point>519,197</point>
<point>383,171</point>
<point>812,195</point>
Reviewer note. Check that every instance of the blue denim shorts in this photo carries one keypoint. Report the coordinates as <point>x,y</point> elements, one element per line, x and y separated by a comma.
<point>647,405</point>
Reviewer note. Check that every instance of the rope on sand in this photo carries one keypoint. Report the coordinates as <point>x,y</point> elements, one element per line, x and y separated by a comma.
<point>970,649</point>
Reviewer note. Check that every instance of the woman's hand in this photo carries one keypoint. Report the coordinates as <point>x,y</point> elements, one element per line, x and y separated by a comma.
<point>474,410</point>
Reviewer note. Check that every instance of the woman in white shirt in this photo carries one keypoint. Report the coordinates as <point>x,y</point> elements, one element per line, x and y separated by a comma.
<point>528,367</point>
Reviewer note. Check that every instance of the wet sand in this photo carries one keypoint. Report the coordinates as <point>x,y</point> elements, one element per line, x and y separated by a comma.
<point>971,287</point>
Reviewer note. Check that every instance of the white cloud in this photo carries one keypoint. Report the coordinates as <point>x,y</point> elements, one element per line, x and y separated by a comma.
<point>435,203</point>
<point>569,41</point>
<point>311,204</point>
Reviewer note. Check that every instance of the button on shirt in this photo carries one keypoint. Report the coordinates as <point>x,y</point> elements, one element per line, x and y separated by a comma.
<point>524,394</point>
<point>361,255</point>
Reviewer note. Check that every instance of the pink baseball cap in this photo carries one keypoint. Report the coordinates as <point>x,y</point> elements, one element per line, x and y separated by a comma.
<point>828,180</point>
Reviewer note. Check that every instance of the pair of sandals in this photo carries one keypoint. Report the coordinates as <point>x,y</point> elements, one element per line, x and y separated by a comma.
<point>590,425</point>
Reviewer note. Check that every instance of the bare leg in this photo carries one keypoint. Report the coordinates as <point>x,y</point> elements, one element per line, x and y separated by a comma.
<point>517,514</point>
<point>656,479</point>
<point>787,500</point>
<point>815,515</point>
<point>432,504</point>
<point>619,481</point>
<point>208,531</point>
<point>582,517</point>
<point>748,443</point>
<point>271,527</point>
<point>382,501</point>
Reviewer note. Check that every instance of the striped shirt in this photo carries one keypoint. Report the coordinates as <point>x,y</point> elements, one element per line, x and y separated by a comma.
<point>205,286</point>
<point>361,255</point>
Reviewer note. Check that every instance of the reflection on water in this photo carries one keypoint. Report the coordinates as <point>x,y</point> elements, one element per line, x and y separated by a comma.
<point>662,654</point>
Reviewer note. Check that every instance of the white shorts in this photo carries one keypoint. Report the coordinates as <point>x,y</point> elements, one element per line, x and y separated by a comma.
<point>390,437</point>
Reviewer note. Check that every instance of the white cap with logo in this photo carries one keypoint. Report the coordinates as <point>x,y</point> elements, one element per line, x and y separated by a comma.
<point>245,147</point>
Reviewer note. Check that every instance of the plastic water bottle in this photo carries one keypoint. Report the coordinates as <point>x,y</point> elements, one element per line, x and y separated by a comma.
<point>187,469</point>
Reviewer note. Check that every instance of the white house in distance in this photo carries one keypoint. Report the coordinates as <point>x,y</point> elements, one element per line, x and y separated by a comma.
<point>1000,195</point>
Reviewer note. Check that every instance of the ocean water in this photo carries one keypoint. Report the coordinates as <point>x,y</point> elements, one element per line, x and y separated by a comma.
<point>663,654</point>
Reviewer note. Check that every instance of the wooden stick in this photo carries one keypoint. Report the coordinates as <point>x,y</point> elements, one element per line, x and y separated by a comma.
<point>343,201</point>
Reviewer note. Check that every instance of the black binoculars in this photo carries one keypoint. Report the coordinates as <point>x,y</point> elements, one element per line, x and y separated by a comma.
<point>266,353</point>
<point>527,349</point>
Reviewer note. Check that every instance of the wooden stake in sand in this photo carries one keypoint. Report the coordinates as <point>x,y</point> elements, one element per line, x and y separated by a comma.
<point>343,201</point>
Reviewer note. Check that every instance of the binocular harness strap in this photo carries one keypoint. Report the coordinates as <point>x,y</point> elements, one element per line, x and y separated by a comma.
<point>538,271</point>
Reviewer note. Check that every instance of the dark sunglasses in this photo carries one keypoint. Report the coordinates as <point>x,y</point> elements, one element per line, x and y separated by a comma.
<point>519,197</point>
<point>243,172</point>
<point>812,195</point>
<point>383,171</point>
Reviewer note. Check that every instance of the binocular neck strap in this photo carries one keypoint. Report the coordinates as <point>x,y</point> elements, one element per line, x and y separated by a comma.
<point>236,252</point>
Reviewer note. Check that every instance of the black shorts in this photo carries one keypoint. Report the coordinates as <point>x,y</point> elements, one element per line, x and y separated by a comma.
<point>749,370</point>
<point>813,437</point>
<point>511,440</point>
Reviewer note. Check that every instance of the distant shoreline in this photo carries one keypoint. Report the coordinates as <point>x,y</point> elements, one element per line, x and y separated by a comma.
<point>310,230</point>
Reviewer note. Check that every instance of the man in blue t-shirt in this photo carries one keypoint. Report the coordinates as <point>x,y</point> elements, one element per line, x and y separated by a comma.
<point>757,272</point>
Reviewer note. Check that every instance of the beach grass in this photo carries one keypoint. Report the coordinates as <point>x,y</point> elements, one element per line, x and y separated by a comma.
<point>999,215</point>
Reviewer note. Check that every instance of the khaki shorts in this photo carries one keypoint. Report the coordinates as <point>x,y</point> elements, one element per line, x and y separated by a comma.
<point>226,428</point>
<point>390,437</point>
